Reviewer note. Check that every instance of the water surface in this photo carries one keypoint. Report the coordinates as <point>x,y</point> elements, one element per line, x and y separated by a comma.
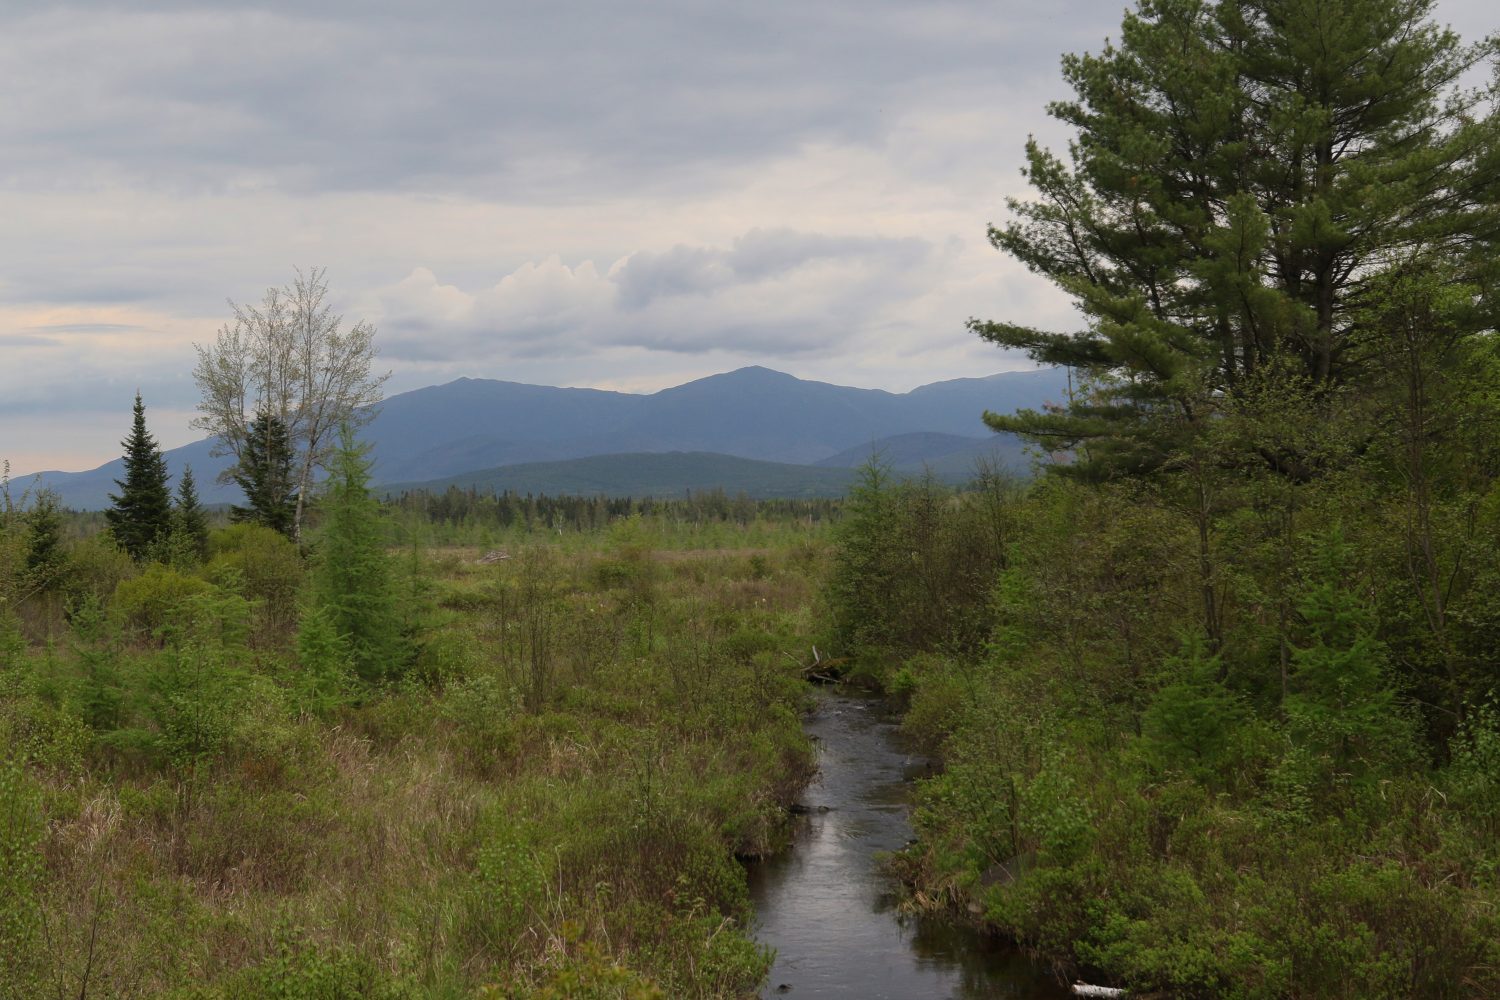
<point>828,909</point>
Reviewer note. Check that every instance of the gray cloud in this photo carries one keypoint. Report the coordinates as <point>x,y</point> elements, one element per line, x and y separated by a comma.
<point>500,99</point>
<point>68,382</point>
<point>682,270</point>
<point>777,292</point>
<point>82,328</point>
<point>758,256</point>
<point>577,192</point>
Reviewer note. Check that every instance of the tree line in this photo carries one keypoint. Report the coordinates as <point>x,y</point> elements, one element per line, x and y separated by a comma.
<point>472,507</point>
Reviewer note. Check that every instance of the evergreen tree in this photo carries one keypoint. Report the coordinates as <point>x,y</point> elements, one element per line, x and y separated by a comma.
<point>1247,175</point>
<point>265,474</point>
<point>189,522</point>
<point>1342,701</point>
<point>141,514</point>
<point>1191,720</point>
<point>44,556</point>
<point>352,576</point>
<point>324,655</point>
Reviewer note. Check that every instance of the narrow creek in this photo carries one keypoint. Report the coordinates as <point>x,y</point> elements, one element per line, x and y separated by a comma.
<point>829,910</point>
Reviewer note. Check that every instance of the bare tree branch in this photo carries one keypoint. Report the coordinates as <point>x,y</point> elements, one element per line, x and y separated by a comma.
<point>291,358</point>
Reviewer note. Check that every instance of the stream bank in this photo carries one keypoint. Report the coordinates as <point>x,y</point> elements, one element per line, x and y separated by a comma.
<point>829,908</point>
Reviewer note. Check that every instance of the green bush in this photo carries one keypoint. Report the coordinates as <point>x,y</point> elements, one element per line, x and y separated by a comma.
<point>262,565</point>
<point>914,563</point>
<point>1191,721</point>
<point>299,970</point>
<point>149,601</point>
<point>507,893</point>
<point>353,578</point>
<point>95,568</point>
<point>1472,783</point>
<point>482,711</point>
<point>585,972</point>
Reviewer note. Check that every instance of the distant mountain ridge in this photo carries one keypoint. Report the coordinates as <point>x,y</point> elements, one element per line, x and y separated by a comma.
<point>755,413</point>
<point>946,456</point>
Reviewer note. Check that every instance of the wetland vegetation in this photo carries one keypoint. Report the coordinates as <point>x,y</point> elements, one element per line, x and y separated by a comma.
<point>535,786</point>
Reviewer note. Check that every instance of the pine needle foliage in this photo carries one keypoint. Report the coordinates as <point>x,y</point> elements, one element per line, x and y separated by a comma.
<point>189,520</point>
<point>352,574</point>
<point>44,555</point>
<point>1246,178</point>
<point>140,515</point>
<point>264,473</point>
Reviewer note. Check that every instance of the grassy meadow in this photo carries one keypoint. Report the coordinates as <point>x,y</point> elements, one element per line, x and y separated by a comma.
<point>199,798</point>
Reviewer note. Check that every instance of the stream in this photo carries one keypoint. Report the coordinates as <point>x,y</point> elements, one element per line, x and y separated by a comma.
<point>829,910</point>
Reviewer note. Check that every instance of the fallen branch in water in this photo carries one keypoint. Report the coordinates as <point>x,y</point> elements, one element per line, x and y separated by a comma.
<point>820,670</point>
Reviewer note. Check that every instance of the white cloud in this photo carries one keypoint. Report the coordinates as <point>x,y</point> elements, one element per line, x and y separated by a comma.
<point>778,293</point>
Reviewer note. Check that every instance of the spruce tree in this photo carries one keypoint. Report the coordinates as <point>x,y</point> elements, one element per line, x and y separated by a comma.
<point>141,514</point>
<point>352,575</point>
<point>1342,700</point>
<point>44,556</point>
<point>264,473</point>
<point>1247,175</point>
<point>189,522</point>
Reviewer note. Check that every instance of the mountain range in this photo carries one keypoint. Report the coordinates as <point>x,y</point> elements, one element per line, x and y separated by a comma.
<point>471,430</point>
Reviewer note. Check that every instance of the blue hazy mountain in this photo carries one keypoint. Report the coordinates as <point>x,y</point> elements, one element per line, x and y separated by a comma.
<point>947,456</point>
<point>443,431</point>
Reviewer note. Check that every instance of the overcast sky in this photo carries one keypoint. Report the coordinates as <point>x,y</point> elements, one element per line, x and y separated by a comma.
<point>622,195</point>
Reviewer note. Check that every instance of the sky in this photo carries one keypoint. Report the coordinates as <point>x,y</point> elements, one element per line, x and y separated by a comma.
<point>620,195</point>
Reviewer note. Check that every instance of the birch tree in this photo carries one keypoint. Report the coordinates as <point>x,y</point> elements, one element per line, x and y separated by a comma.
<point>291,358</point>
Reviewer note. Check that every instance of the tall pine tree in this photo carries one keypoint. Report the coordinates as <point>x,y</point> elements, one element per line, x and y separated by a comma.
<point>265,474</point>
<point>140,515</point>
<point>1247,175</point>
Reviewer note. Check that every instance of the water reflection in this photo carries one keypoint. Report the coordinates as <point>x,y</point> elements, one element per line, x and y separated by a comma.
<point>830,913</point>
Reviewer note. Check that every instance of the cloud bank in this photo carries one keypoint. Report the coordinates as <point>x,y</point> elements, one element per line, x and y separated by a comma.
<point>584,193</point>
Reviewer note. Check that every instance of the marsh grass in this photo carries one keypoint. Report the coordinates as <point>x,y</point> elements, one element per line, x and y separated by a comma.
<point>548,802</point>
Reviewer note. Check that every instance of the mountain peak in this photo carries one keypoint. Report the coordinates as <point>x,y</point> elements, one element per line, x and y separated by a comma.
<point>751,379</point>
<point>753,413</point>
<point>753,373</point>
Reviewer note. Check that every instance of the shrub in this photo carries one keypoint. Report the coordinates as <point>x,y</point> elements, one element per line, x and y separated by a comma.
<point>148,602</point>
<point>1190,723</point>
<point>96,567</point>
<point>262,565</point>
<point>913,565</point>
<point>1473,776</point>
<point>482,712</point>
<point>299,970</point>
